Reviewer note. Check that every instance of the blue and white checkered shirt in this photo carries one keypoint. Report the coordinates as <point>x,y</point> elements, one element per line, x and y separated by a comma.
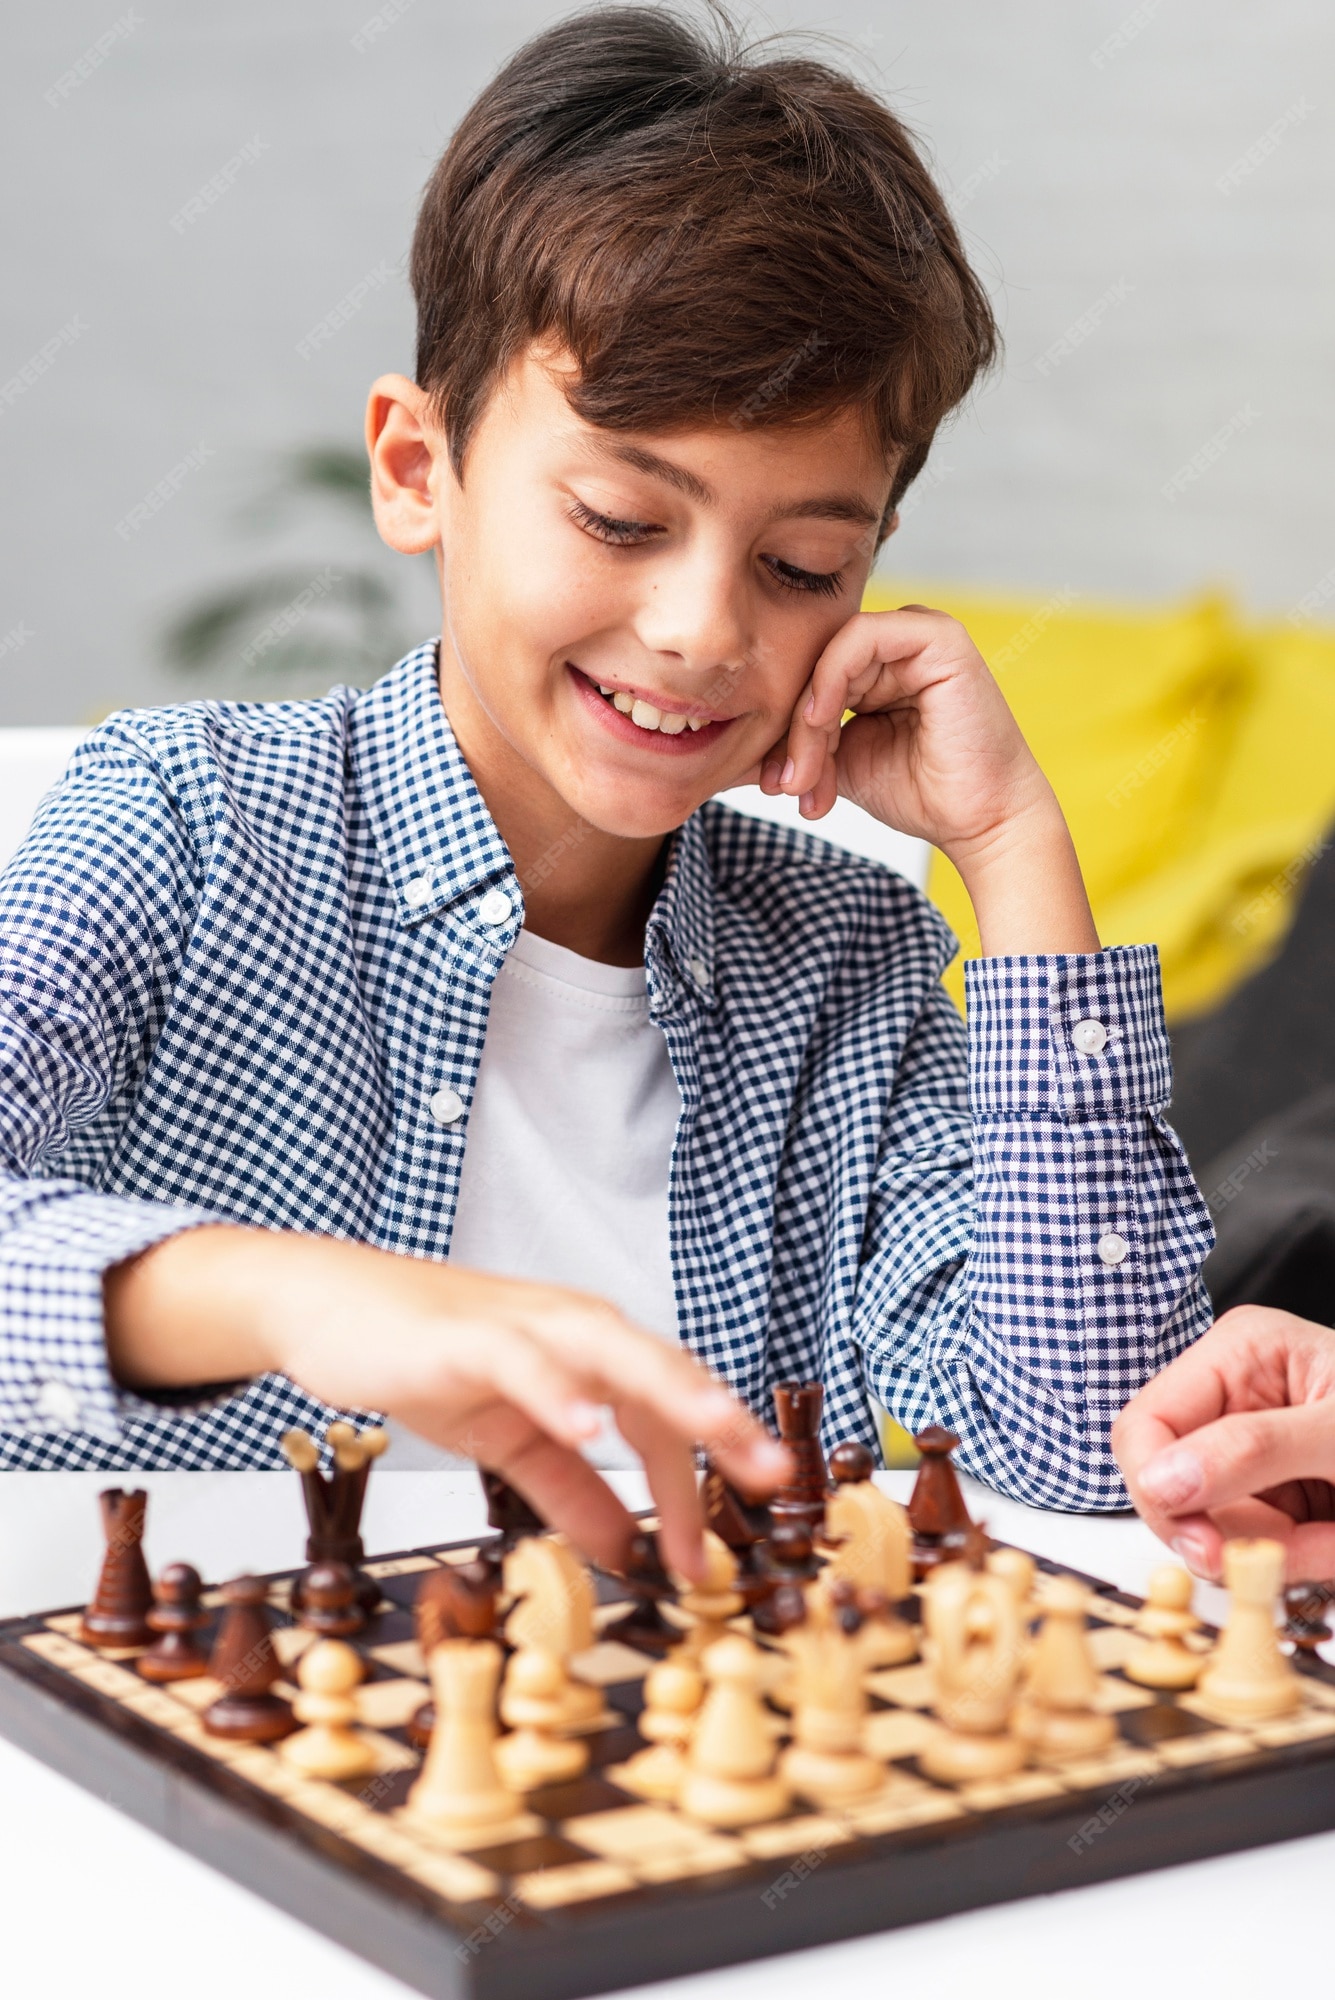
<point>244,946</point>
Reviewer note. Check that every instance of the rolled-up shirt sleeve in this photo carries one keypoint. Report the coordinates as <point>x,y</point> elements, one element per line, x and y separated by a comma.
<point>1034,1248</point>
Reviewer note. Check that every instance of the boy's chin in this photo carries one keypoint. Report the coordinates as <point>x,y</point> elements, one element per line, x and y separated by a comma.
<point>645,813</point>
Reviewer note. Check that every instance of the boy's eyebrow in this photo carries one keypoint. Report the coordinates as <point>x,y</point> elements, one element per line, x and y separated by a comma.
<point>828,507</point>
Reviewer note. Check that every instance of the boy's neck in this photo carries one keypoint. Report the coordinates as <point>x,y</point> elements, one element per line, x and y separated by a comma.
<point>585,889</point>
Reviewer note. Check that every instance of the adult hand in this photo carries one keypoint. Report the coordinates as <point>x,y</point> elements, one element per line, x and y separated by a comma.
<point>1237,1437</point>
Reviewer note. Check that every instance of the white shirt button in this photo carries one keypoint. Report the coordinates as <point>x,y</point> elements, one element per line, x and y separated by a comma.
<point>1090,1037</point>
<point>699,972</point>
<point>1114,1249</point>
<point>446,1107</point>
<point>494,908</point>
<point>58,1403</point>
<point>418,892</point>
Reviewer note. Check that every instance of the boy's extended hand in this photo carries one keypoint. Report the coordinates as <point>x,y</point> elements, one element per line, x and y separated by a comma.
<point>1237,1437</point>
<point>511,1374</point>
<point>934,751</point>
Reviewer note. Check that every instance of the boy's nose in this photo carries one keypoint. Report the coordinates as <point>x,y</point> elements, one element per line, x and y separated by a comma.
<point>697,615</point>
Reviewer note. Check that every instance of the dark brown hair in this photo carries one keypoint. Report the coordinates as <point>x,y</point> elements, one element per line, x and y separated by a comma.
<point>716,235</point>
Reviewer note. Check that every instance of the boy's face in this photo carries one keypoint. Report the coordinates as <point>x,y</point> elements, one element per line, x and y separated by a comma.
<point>631,616</point>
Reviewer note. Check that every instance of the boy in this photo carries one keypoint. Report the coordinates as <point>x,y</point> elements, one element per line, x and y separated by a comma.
<point>354,1046</point>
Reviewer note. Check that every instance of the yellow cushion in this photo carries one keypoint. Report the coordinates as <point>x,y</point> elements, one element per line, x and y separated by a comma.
<point>1191,753</point>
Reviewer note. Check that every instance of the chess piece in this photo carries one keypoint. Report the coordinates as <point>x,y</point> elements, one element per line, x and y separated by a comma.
<point>797,1406</point>
<point>455,1601</point>
<point>1247,1678</point>
<point>1017,1569</point>
<point>460,1794</point>
<point>870,1540</point>
<point>650,1585</point>
<point>731,1780</point>
<point>118,1614</point>
<point>334,1505</point>
<point>533,1703</point>
<point>329,1747</point>
<point>176,1617</point>
<point>710,1603</point>
<point>825,1764</point>
<point>1305,1624</point>
<point>673,1692</point>
<point>936,1504</point>
<point>553,1614</point>
<point>329,1604</point>
<point>1161,1659</point>
<point>243,1659</point>
<point>790,1564</point>
<point>1057,1717</point>
<point>744,1526</point>
<point>509,1516</point>
<point>974,1646</point>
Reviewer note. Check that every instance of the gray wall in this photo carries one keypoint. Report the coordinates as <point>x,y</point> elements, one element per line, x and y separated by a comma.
<point>1087,142</point>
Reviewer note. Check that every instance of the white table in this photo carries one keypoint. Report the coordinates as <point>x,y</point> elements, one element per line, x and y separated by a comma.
<point>92,1903</point>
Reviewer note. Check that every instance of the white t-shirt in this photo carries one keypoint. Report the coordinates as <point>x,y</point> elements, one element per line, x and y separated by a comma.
<point>565,1173</point>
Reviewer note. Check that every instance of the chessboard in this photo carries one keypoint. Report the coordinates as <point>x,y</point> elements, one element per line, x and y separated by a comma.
<point>597,1889</point>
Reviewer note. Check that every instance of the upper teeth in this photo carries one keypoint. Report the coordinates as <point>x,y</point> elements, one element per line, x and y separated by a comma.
<point>645,716</point>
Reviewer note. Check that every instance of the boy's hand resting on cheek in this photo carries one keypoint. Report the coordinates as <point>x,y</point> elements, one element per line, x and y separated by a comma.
<point>1237,1437</point>
<point>508,1373</point>
<point>934,751</point>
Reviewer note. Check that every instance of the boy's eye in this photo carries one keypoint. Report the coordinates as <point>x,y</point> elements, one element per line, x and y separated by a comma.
<point>628,534</point>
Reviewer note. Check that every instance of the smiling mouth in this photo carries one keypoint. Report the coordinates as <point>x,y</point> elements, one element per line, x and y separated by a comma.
<point>646,715</point>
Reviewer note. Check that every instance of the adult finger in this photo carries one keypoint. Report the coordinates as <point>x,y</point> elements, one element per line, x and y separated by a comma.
<point>1239,1456</point>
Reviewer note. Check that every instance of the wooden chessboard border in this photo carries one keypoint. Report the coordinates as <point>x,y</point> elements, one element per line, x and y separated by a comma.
<point>869,1883</point>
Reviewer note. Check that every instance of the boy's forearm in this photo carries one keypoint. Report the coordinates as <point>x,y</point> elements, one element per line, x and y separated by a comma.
<point>1026,888</point>
<point>186,1311</point>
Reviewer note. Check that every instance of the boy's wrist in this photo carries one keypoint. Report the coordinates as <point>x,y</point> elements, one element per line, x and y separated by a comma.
<point>1024,881</point>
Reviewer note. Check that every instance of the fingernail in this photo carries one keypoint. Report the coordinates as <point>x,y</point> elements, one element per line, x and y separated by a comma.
<point>788,773</point>
<point>809,711</point>
<point>1174,1478</point>
<point>773,772</point>
<point>1190,1549</point>
<point>807,803</point>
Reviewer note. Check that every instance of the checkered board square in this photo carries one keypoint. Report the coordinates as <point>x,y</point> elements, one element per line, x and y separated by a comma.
<point>592,1888</point>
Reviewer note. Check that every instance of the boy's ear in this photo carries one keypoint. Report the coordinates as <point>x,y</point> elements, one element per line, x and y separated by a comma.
<point>403,445</point>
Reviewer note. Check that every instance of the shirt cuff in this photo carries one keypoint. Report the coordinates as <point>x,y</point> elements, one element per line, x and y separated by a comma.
<point>54,1374</point>
<point>1072,1035</point>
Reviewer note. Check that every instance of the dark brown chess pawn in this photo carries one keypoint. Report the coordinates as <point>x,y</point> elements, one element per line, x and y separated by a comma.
<point>329,1603</point>
<point>176,1617</point>
<point>118,1614</point>
<point>797,1407</point>
<point>791,1563</point>
<point>243,1659</point>
<point>456,1601</point>
<point>936,1505</point>
<point>851,1464</point>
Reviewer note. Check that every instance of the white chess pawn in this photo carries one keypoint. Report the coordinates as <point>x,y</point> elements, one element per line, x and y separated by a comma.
<point>533,1702</point>
<point>1017,1568</point>
<point>710,1603</point>
<point>673,1691</point>
<point>1161,1659</point>
<point>329,1747</point>
<point>730,1777</point>
<point>460,1793</point>
<point>1247,1678</point>
<point>1057,1717</point>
